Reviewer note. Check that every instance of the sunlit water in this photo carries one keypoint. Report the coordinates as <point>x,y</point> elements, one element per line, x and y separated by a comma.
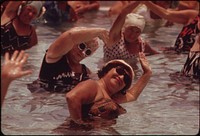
<point>169,105</point>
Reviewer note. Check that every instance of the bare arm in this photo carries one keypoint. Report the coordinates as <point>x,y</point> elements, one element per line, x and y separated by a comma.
<point>83,93</point>
<point>12,69</point>
<point>94,5</point>
<point>10,11</point>
<point>134,92</point>
<point>115,31</point>
<point>65,42</point>
<point>82,8</point>
<point>149,50</point>
<point>181,17</point>
<point>188,5</point>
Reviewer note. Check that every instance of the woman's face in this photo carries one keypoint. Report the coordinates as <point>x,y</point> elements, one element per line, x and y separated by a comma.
<point>131,33</point>
<point>117,79</point>
<point>28,14</point>
<point>79,52</point>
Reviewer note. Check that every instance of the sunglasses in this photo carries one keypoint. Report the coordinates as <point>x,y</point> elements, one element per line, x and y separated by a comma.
<point>121,71</point>
<point>86,51</point>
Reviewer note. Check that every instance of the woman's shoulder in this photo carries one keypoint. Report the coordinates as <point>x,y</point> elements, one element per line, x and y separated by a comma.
<point>89,83</point>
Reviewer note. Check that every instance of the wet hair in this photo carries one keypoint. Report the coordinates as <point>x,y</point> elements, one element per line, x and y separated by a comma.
<point>113,64</point>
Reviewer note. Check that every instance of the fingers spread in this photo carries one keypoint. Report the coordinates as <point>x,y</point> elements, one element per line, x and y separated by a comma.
<point>20,56</point>
<point>14,56</point>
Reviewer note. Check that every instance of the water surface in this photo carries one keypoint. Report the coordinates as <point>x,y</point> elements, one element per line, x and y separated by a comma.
<point>169,105</point>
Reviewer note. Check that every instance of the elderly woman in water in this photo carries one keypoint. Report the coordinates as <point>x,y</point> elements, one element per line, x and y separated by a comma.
<point>102,97</point>
<point>125,41</point>
<point>17,33</point>
<point>61,69</point>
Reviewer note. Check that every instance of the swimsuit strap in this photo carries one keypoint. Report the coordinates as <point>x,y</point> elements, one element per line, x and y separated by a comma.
<point>11,21</point>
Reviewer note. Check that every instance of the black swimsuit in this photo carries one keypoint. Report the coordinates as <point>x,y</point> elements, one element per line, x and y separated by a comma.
<point>11,41</point>
<point>58,76</point>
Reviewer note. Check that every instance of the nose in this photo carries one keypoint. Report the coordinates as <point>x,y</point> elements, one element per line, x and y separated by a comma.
<point>32,14</point>
<point>81,53</point>
<point>122,78</point>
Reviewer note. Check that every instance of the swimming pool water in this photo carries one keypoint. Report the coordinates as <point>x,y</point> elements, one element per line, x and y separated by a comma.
<point>169,105</point>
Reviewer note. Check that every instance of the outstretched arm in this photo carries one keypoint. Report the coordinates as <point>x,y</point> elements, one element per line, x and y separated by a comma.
<point>65,42</point>
<point>181,17</point>
<point>149,50</point>
<point>12,69</point>
<point>188,5</point>
<point>115,31</point>
<point>93,5</point>
<point>133,93</point>
<point>10,11</point>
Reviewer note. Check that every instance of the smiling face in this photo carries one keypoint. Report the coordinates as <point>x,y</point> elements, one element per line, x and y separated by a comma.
<point>117,74</point>
<point>114,81</point>
<point>82,50</point>
<point>118,77</point>
<point>131,33</point>
<point>76,54</point>
<point>28,14</point>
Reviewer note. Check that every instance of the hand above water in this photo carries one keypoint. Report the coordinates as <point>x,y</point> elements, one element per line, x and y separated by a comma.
<point>13,67</point>
<point>144,63</point>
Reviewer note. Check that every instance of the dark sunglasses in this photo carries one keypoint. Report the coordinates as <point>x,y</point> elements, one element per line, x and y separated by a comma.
<point>87,51</point>
<point>121,71</point>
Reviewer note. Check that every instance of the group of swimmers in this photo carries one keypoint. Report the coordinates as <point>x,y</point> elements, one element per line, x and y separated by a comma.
<point>61,70</point>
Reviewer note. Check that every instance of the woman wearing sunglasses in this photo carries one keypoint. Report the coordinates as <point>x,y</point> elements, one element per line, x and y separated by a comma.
<point>61,69</point>
<point>101,98</point>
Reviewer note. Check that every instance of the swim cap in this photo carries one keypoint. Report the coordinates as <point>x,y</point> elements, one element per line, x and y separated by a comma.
<point>38,5</point>
<point>133,19</point>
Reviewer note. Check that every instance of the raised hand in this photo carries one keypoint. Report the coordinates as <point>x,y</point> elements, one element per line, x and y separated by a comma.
<point>12,67</point>
<point>144,63</point>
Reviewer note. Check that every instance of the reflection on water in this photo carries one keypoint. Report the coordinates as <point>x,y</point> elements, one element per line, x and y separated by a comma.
<point>168,105</point>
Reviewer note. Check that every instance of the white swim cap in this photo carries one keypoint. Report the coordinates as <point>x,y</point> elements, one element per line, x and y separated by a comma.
<point>38,5</point>
<point>133,19</point>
